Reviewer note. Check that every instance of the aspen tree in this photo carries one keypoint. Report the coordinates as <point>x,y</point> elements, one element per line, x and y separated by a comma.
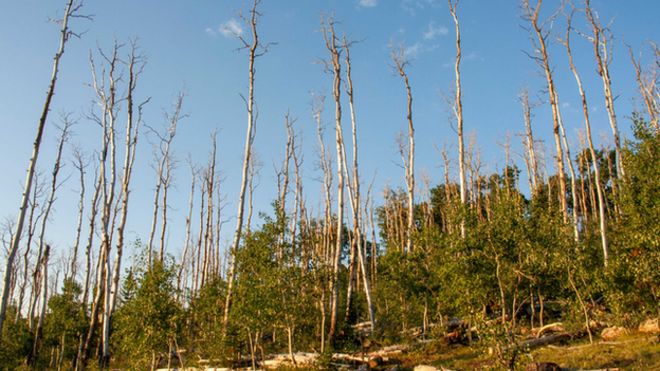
<point>600,38</point>
<point>587,126</point>
<point>646,86</point>
<point>181,276</point>
<point>571,172</point>
<point>209,185</point>
<point>164,169</point>
<point>400,63</point>
<point>72,10</point>
<point>529,141</point>
<point>136,65</point>
<point>106,97</point>
<point>253,53</point>
<point>541,34</point>
<point>458,112</point>
<point>33,220</point>
<point>54,186</point>
<point>80,165</point>
<point>354,193</point>
<point>330,39</point>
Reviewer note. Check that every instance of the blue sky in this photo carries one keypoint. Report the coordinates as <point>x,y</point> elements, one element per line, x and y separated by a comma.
<point>187,48</point>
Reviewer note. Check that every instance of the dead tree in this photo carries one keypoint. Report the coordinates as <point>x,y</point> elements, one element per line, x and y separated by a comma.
<point>48,206</point>
<point>164,174</point>
<point>354,189</point>
<point>600,38</point>
<point>182,275</point>
<point>529,142</point>
<point>571,172</point>
<point>334,65</point>
<point>458,112</point>
<point>80,165</point>
<point>105,89</point>
<point>541,34</point>
<point>592,151</point>
<point>209,178</point>
<point>254,51</point>
<point>647,89</point>
<point>72,10</point>
<point>136,63</point>
<point>400,63</point>
<point>43,266</point>
<point>33,220</point>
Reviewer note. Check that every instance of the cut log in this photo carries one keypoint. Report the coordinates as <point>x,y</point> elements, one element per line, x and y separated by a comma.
<point>612,333</point>
<point>650,326</point>
<point>553,327</point>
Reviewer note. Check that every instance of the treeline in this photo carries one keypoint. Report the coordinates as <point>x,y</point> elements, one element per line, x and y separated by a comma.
<point>583,247</point>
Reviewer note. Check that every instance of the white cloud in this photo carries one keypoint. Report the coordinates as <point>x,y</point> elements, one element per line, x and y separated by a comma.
<point>231,28</point>
<point>413,50</point>
<point>210,31</point>
<point>433,31</point>
<point>368,3</point>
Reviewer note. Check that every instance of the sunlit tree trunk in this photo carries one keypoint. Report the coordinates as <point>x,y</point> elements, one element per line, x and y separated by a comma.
<point>529,141</point>
<point>54,185</point>
<point>532,16</point>
<point>252,46</point>
<point>400,63</point>
<point>587,125</point>
<point>135,66</point>
<point>335,66</point>
<point>458,111</point>
<point>603,55</point>
<point>65,34</point>
<point>355,193</point>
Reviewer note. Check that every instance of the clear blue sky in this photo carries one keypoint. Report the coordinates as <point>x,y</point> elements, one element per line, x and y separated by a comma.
<point>186,47</point>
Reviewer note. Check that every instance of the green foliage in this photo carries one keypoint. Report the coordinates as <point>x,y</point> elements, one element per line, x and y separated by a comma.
<point>634,276</point>
<point>149,322</point>
<point>16,341</point>
<point>65,322</point>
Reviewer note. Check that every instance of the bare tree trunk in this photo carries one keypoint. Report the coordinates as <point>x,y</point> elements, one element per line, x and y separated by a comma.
<point>458,111</point>
<point>65,34</point>
<point>603,55</point>
<point>529,142</point>
<point>90,240</point>
<point>355,193</point>
<point>135,66</point>
<point>80,166</point>
<point>646,89</point>
<point>48,207</point>
<point>181,277</point>
<point>399,59</point>
<point>32,226</point>
<point>331,44</point>
<point>571,172</point>
<point>164,175</point>
<point>43,264</point>
<point>249,138</point>
<point>208,236</point>
<point>592,151</point>
<point>542,35</point>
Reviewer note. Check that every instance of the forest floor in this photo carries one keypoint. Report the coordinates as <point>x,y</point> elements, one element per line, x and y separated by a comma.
<point>635,351</point>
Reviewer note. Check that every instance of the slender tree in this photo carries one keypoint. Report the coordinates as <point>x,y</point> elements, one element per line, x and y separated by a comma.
<point>538,29</point>
<point>331,43</point>
<point>458,111</point>
<point>253,46</point>
<point>400,63</point>
<point>603,54</point>
<point>587,126</point>
<point>72,10</point>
